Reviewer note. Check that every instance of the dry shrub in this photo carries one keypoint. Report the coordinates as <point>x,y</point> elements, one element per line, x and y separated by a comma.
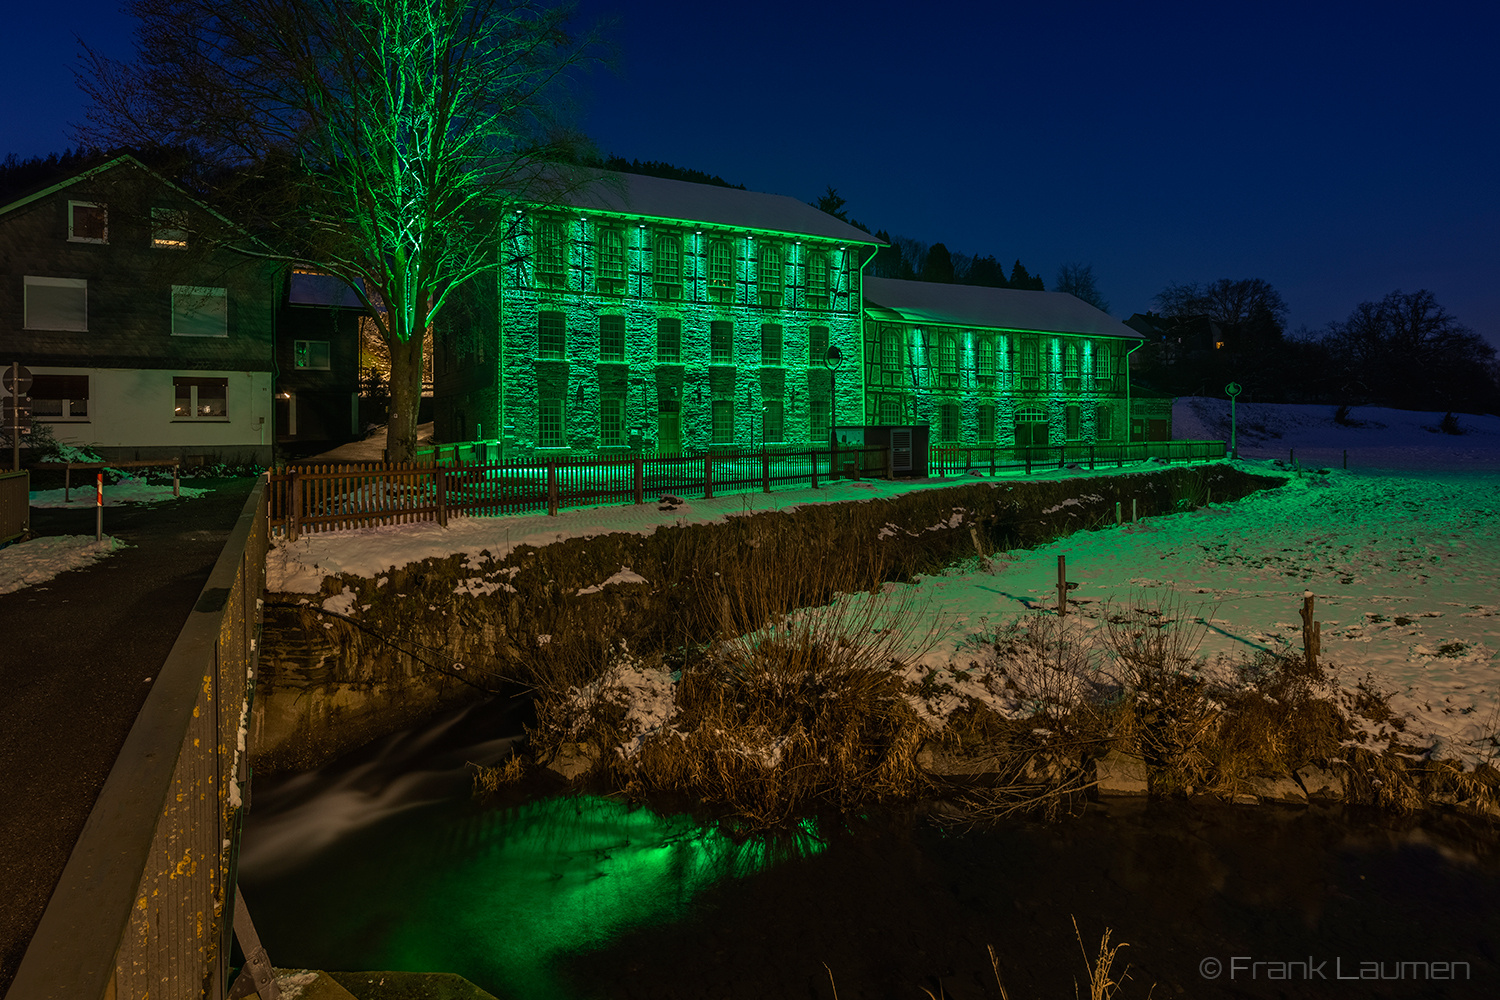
<point>1281,716</point>
<point>492,779</point>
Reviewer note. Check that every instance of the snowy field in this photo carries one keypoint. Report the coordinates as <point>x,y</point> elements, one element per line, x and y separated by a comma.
<point>1402,553</point>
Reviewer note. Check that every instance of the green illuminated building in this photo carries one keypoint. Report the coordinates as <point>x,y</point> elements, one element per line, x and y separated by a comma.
<point>640,312</point>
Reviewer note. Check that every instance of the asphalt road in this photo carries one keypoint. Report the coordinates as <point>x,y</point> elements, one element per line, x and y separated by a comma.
<point>77,657</point>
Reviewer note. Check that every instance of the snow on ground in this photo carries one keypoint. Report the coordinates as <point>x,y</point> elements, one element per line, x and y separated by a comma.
<point>370,449</point>
<point>26,564</point>
<point>131,489</point>
<point>1401,552</point>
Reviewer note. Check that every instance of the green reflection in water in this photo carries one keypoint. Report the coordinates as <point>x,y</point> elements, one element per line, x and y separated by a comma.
<point>499,896</point>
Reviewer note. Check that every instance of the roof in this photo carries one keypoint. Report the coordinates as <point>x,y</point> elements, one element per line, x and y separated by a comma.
<point>988,308</point>
<point>640,196</point>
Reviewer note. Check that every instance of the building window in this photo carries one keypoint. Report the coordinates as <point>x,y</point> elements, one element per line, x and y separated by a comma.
<point>771,276</point>
<point>890,411</point>
<point>720,271</point>
<point>199,312</point>
<point>551,254</point>
<point>1031,427</point>
<point>948,422</point>
<point>984,363</point>
<point>169,228</point>
<point>60,397</point>
<point>612,261</point>
<point>987,422</point>
<point>669,341</point>
<point>723,420</point>
<point>312,355</point>
<point>550,421</point>
<point>1103,424</point>
<point>1074,415</point>
<point>819,421</point>
<point>201,398</point>
<point>1071,372</point>
<point>770,344</point>
<point>890,351</point>
<point>1104,364</point>
<point>1030,370</point>
<point>667,266</point>
<point>611,422</point>
<point>551,335</point>
<point>611,338</point>
<point>773,429</point>
<point>721,342</point>
<point>57,303</point>
<point>948,360</point>
<point>817,279</point>
<point>817,345</point>
<point>88,222</point>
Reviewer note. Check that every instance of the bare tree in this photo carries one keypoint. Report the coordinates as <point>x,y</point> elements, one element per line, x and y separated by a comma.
<point>1078,280</point>
<point>383,141</point>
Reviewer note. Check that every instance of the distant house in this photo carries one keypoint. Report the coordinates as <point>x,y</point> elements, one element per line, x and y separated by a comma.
<point>316,361</point>
<point>994,366</point>
<point>141,346</point>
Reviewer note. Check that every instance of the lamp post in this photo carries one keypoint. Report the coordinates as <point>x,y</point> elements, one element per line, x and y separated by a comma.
<point>831,360</point>
<point>1233,389</point>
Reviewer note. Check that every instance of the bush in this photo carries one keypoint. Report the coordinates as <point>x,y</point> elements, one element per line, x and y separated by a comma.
<point>1449,424</point>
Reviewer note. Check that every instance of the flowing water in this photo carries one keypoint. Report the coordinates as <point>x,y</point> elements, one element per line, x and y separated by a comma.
<point>384,861</point>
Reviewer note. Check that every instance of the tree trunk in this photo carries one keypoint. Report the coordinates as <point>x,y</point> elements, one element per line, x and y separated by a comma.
<point>406,397</point>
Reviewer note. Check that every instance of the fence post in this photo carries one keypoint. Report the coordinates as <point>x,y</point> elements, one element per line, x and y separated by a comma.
<point>1091,457</point>
<point>640,480</point>
<point>1028,460</point>
<point>992,462</point>
<point>813,461</point>
<point>442,496</point>
<point>765,470</point>
<point>890,461</point>
<point>294,508</point>
<point>708,476</point>
<point>552,489</point>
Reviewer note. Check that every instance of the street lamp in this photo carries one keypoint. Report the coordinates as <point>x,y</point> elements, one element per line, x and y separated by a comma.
<point>831,360</point>
<point>1233,389</point>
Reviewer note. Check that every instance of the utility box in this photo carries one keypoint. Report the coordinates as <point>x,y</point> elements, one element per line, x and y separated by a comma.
<point>904,447</point>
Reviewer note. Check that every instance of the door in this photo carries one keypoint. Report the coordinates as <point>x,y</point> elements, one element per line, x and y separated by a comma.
<point>669,430</point>
<point>900,449</point>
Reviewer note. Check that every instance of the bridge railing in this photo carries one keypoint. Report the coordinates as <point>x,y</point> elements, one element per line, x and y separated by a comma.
<point>145,903</point>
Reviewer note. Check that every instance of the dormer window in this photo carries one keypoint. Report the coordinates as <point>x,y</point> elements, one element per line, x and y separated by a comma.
<point>169,228</point>
<point>88,222</point>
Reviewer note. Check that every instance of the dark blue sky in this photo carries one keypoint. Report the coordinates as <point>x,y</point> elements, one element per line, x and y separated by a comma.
<point>1339,151</point>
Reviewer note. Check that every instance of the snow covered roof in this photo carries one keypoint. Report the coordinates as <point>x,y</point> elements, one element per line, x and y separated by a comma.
<point>646,197</point>
<point>988,308</point>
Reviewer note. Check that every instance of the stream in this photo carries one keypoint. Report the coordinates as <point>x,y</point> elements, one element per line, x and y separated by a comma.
<point>384,860</point>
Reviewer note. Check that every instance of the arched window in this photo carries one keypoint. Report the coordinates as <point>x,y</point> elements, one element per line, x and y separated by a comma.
<point>1030,372</point>
<point>551,254</point>
<point>985,361</point>
<point>611,261</point>
<point>948,360</point>
<point>667,265</point>
<point>817,279</point>
<point>720,270</point>
<point>771,276</point>
<point>1070,366</point>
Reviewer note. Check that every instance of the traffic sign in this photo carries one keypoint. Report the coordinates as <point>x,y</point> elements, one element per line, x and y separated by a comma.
<point>11,377</point>
<point>8,421</point>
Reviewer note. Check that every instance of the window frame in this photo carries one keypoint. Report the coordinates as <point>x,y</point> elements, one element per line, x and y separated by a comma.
<point>819,279</point>
<point>30,281</point>
<point>1072,365</point>
<point>544,330</point>
<point>675,357</point>
<point>206,293</point>
<point>297,349</point>
<point>950,422</point>
<point>721,408</point>
<point>40,394</point>
<point>817,335</point>
<point>771,291</point>
<point>947,360</point>
<point>612,265</point>
<point>720,270</point>
<point>551,428</point>
<point>721,351</point>
<point>551,266</point>
<point>1030,367</point>
<point>194,383</point>
<point>613,356</point>
<point>984,360</point>
<point>612,421</point>
<point>987,420</point>
<point>668,282</point>
<point>767,358</point>
<point>164,234</point>
<point>73,236</point>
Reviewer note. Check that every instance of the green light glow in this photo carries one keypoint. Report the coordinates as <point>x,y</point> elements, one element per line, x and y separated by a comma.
<point>499,896</point>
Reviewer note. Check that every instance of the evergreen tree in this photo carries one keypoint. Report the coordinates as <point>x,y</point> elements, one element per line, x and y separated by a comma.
<point>938,265</point>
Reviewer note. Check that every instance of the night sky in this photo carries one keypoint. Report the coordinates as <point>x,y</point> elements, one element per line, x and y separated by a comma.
<point>1339,151</point>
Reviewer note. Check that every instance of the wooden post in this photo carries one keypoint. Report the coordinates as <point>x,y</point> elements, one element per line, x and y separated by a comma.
<point>992,463</point>
<point>67,481</point>
<point>812,457</point>
<point>294,509</point>
<point>765,470</point>
<point>1312,632</point>
<point>552,489</point>
<point>1132,510</point>
<point>1062,585</point>
<point>176,487</point>
<point>441,475</point>
<point>1118,519</point>
<point>1028,461</point>
<point>1091,458</point>
<point>640,479</point>
<point>708,476</point>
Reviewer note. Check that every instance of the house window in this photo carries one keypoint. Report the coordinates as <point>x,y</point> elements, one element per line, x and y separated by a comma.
<point>771,278</point>
<point>551,255</point>
<point>60,397</point>
<point>1071,374</point>
<point>611,422</point>
<point>948,422</point>
<point>550,421</point>
<point>1031,427</point>
<point>667,265</point>
<point>551,335</point>
<point>720,271</point>
<point>817,279</point>
<point>773,429</point>
<point>611,338</point>
<point>948,360</point>
<point>1074,414</point>
<point>770,344</point>
<point>169,228</point>
<point>721,342</point>
<point>890,411</point>
<point>817,345</point>
<point>987,422</point>
<point>890,351</point>
<point>1104,364</point>
<point>984,365</point>
<point>1103,424</point>
<point>723,421</point>
<point>199,312</point>
<point>819,421</point>
<point>88,222</point>
<point>669,341</point>
<point>201,398</point>
<point>612,261</point>
<point>1030,372</point>
<point>312,355</point>
<point>57,303</point>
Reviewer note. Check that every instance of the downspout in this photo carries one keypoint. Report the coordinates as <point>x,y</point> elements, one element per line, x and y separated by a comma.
<point>864,390</point>
<point>1129,412</point>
